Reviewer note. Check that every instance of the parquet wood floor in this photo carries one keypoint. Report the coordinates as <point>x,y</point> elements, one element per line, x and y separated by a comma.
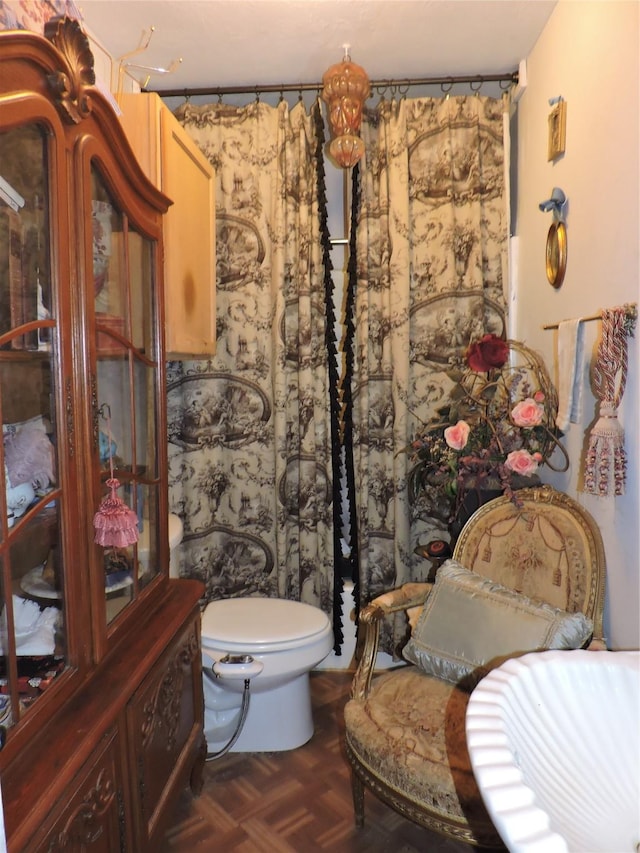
<point>298,801</point>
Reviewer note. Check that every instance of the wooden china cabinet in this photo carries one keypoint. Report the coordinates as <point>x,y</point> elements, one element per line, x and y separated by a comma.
<point>100,682</point>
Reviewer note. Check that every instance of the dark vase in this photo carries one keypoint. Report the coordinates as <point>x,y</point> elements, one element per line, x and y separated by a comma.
<point>473,498</point>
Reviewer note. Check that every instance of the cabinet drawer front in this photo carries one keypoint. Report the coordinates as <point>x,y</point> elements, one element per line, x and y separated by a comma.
<point>91,819</point>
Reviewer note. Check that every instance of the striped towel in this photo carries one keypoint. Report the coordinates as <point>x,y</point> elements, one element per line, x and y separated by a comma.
<point>570,370</point>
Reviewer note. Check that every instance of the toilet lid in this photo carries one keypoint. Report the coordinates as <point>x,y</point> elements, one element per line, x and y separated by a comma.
<point>261,622</point>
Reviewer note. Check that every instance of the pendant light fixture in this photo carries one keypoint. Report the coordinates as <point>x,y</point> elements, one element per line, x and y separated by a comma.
<point>345,88</point>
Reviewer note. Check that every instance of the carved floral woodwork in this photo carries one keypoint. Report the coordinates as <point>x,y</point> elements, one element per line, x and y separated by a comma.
<point>162,711</point>
<point>70,89</point>
<point>84,825</point>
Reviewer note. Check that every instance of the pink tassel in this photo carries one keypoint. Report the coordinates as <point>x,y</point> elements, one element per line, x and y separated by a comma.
<point>114,522</point>
<point>606,460</point>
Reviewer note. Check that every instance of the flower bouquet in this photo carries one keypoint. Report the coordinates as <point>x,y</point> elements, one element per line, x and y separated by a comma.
<point>496,431</point>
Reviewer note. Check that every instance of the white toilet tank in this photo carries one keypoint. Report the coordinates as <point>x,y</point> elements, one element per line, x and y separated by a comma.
<point>175,538</point>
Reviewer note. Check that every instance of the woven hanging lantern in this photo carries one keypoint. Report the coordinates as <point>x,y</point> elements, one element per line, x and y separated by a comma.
<point>345,88</point>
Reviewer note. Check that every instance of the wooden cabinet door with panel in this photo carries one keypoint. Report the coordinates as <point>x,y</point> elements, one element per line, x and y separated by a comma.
<point>91,817</point>
<point>164,722</point>
<point>173,161</point>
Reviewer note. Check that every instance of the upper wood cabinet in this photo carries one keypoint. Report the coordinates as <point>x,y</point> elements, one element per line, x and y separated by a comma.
<point>175,164</point>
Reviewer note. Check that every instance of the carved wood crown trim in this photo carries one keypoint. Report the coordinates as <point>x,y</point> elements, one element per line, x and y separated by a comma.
<point>70,89</point>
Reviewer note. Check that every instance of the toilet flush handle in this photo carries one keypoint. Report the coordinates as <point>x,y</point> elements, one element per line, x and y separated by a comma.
<point>237,666</point>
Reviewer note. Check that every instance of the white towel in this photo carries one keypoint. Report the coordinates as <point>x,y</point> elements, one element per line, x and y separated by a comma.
<point>570,369</point>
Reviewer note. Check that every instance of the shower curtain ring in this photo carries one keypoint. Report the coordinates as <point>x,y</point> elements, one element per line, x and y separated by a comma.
<point>476,85</point>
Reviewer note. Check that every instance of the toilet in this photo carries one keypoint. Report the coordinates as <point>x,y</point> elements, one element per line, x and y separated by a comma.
<point>175,538</point>
<point>273,643</point>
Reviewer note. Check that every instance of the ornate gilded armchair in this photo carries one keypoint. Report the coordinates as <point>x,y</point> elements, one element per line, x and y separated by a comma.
<point>522,578</point>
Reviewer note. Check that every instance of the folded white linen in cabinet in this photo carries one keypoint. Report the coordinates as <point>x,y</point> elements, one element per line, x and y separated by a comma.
<point>34,628</point>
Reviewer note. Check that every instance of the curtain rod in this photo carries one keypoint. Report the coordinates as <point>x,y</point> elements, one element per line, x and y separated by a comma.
<point>582,320</point>
<point>631,314</point>
<point>445,84</point>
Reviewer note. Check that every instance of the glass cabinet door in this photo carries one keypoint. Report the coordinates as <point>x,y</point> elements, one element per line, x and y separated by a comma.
<point>127,410</point>
<point>33,646</point>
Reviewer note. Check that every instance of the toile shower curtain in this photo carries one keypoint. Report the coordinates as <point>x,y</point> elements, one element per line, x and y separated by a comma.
<point>431,249</point>
<point>249,429</point>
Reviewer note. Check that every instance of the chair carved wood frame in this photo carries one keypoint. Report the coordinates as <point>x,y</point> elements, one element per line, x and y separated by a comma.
<point>405,730</point>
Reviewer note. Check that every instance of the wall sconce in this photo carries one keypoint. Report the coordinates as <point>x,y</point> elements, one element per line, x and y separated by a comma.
<point>345,88</point>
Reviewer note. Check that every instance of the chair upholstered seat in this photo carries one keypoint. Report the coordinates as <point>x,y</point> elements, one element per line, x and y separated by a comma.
<point>527,573</point>
<point>410,732</point>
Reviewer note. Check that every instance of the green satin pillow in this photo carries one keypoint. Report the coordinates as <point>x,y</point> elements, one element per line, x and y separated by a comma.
<point>470,624</point>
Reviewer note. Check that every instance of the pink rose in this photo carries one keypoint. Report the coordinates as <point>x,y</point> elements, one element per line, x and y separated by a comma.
<point>539,397</point>
<point>522,462</point>
<point>527,413</point>
<point>457,436</point>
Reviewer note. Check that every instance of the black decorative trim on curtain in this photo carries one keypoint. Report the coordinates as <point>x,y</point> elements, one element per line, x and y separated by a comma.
<point>347,398</point>
<point>332,352</point>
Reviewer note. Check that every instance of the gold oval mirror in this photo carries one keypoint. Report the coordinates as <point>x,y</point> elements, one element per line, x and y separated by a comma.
<point>556,253</point>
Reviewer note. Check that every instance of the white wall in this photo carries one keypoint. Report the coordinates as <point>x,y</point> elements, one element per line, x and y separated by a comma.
<point>588,53</point>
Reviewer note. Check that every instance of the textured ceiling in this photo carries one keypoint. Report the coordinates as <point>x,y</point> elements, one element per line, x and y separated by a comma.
<point>252,42</point>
